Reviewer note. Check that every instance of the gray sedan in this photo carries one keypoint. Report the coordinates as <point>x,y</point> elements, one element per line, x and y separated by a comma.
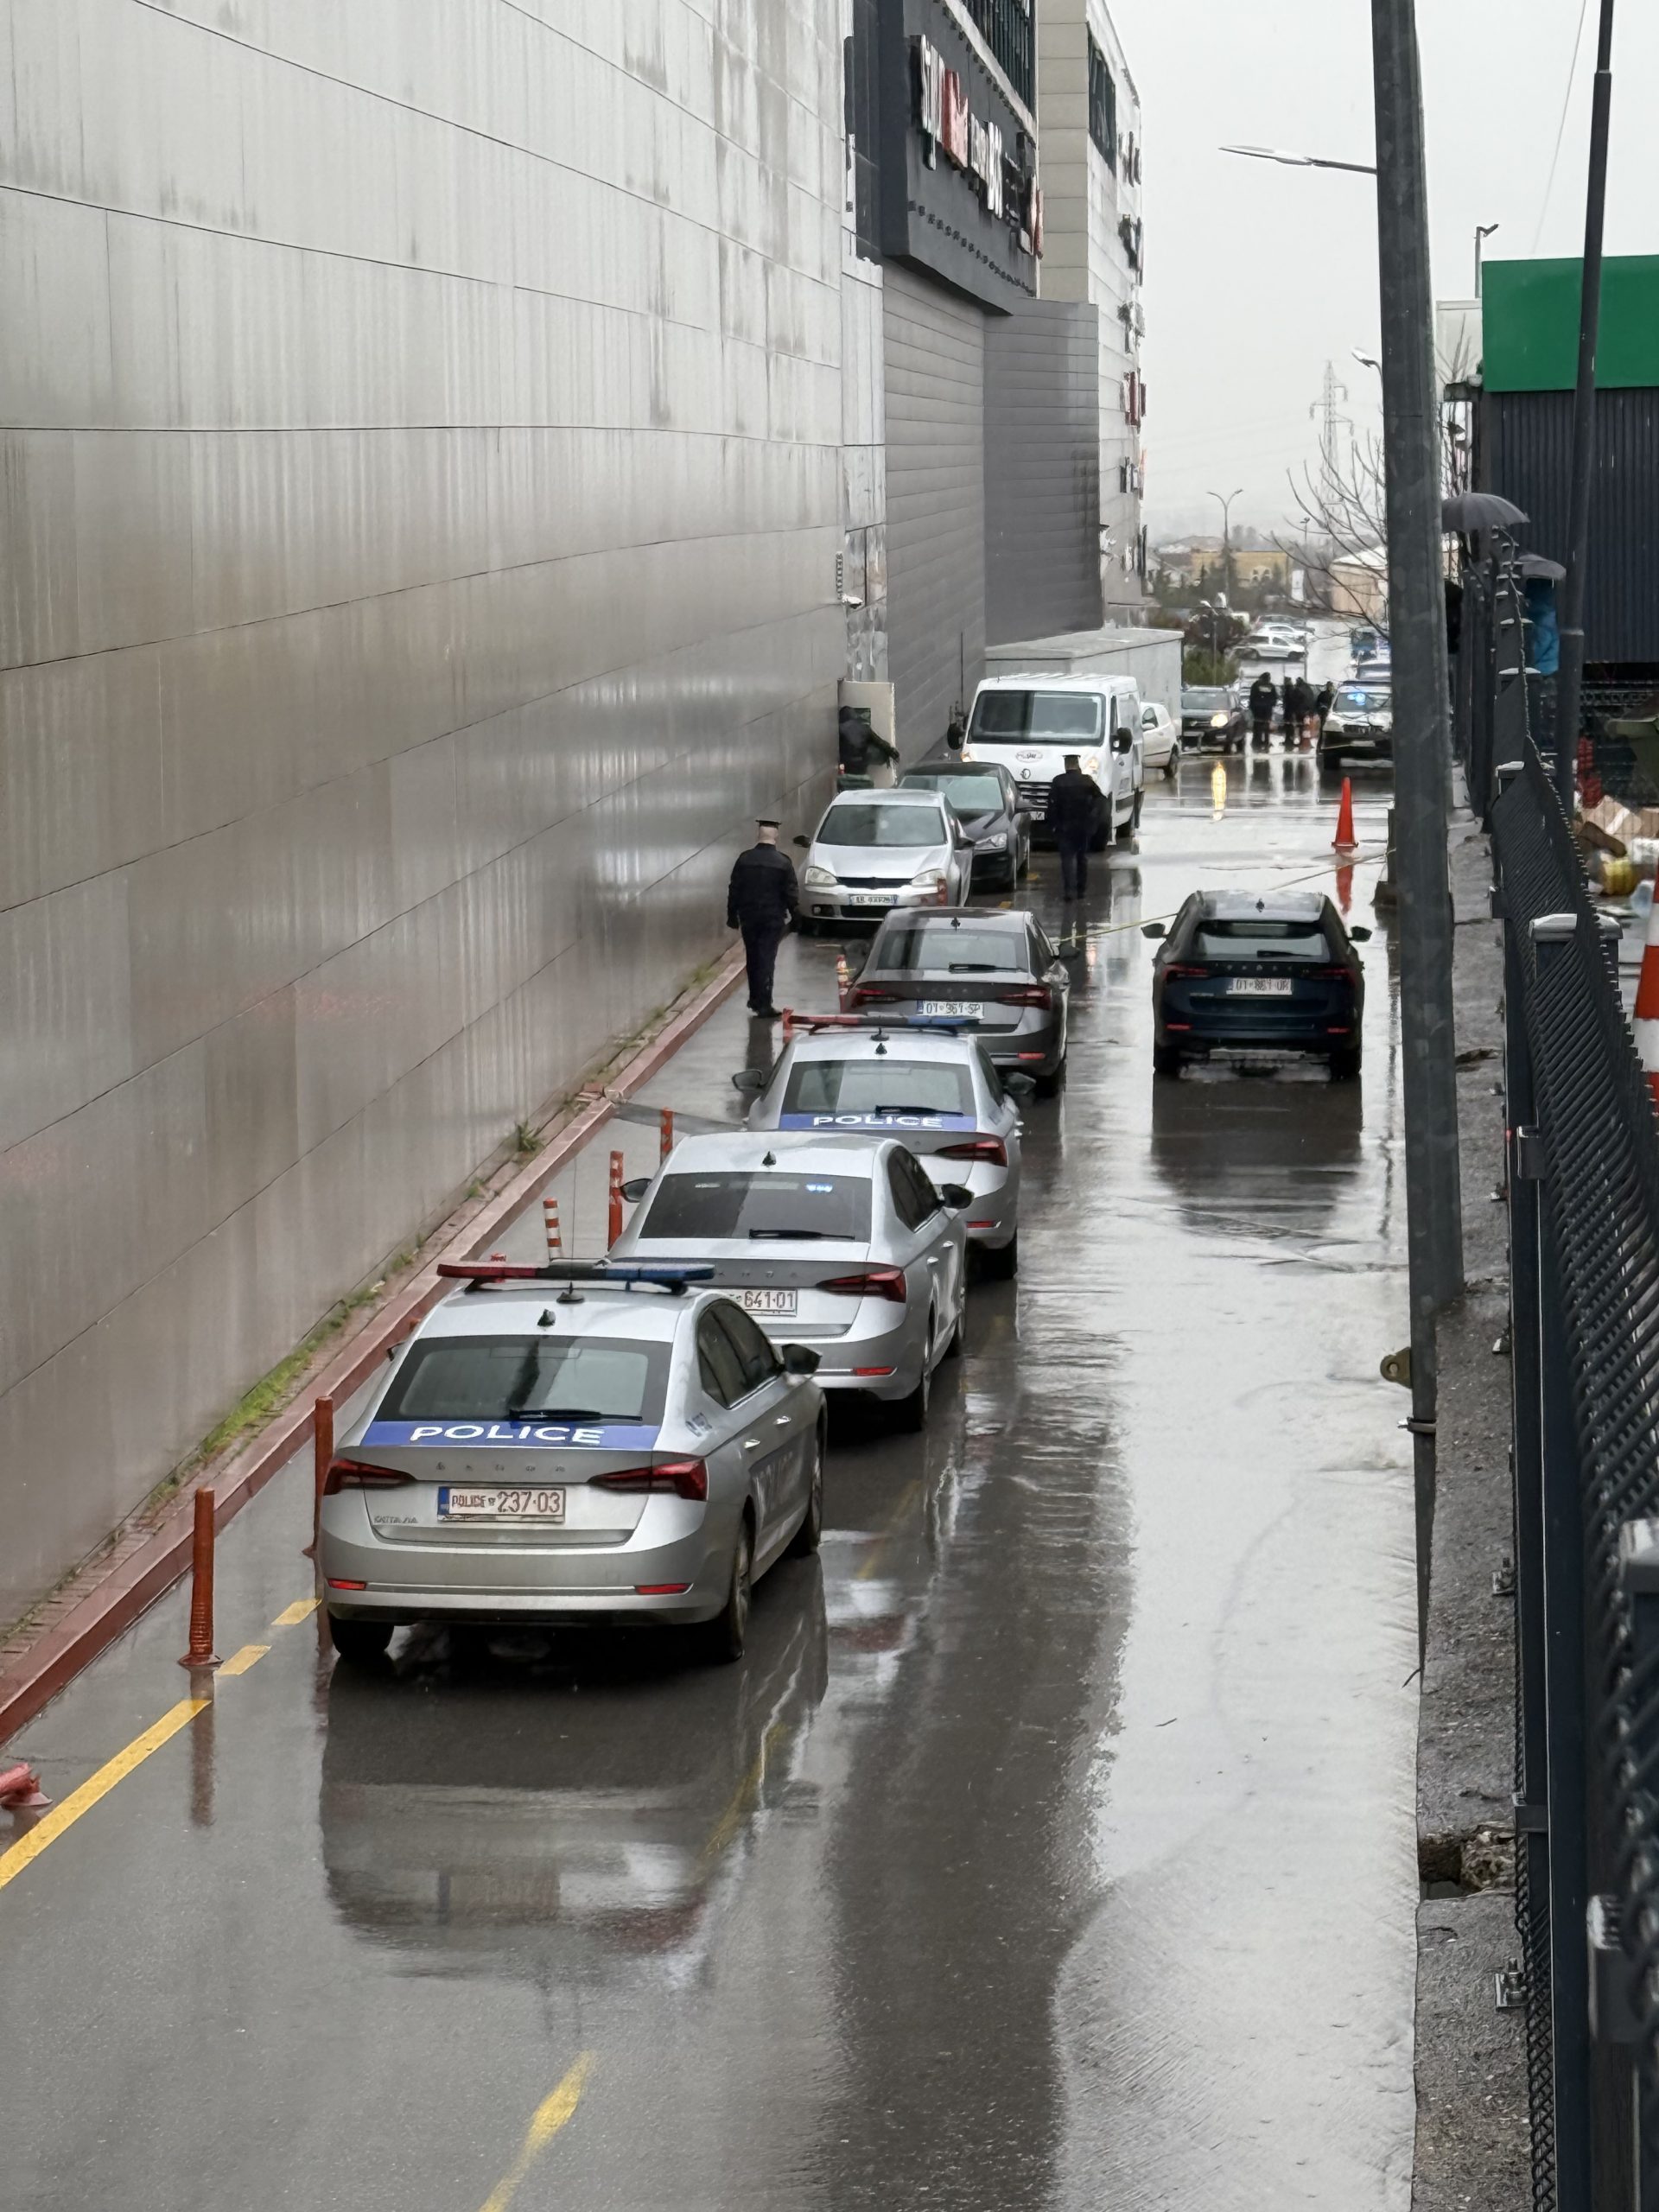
<point>997,970</point>
<point>876,851</point>
<point>554,1445</point>
<point>986,800</point>
<point>840,1243</point>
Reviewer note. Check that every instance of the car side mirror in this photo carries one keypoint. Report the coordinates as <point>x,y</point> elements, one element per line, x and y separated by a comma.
<point>752,1080</point>
<point>800,1359</point>
<point>635,1188</point>
<point>805,843</point>
<point>1019,1086</point>
<point>1153,928</point>
<point>1121,741</point>
<point>956,1196</point>
<point>1360,934</point>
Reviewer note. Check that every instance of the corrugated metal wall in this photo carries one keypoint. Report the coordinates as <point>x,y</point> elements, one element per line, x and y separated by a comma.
<point>1042,471</point>
<point>934,343</point>
<point>1526,453</point>
<point>418,524</point>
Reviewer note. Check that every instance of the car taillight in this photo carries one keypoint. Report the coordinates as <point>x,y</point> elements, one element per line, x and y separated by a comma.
<point>682,1478</point>
<point>1331,975</point>
<point>1032,995</point>
<point>874,1283</point>
<point>1192,974</point>
<point>360,1474</point>
<point>862,995</point>
<point>991,1150</point>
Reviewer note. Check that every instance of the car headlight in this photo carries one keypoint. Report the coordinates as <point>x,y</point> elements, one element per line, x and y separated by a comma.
<point>818,878</point>
<point>1091,762</point>
<point>997,844</point>
<point>928,879</point>
<point>1219,721</point>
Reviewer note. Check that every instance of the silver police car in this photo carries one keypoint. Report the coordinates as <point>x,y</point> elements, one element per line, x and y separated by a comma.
<point>841,1243</point>
<point>582,1441</point>
<point>923,1082</point>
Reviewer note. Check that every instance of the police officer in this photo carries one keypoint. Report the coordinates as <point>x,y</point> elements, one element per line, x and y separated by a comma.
<point>1073,802</point>
<point>1263,698</point>
<point>763,899</point>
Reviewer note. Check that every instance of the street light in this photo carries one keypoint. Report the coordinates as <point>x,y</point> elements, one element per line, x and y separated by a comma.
<point>1368,360</point>
<point>1299,160</point>
<point>1226,506</point>
<point>1483,232</point>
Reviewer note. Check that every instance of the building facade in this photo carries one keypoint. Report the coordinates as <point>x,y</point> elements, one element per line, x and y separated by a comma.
<point>423,496</point>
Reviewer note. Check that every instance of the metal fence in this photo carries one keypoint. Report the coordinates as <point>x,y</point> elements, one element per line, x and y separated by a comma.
<point>1583,1181</point>
<point>1011,36</point>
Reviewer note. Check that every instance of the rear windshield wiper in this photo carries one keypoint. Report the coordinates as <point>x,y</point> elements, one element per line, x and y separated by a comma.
<point>792,1232</point>
<point>562,1412</point>
<point>912,1109</point>
<point>974,967</point>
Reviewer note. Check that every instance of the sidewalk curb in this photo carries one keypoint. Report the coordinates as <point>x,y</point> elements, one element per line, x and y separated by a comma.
<point>128,1585</point>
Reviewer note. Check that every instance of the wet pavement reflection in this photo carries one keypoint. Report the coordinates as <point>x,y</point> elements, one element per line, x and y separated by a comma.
<point>1053,1846</point>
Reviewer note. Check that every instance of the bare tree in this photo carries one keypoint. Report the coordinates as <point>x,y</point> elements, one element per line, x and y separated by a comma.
<point>1342,507</point>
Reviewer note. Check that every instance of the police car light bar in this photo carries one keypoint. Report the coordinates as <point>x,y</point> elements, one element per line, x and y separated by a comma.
<point>885,1024</point>
<point>598,1272</point>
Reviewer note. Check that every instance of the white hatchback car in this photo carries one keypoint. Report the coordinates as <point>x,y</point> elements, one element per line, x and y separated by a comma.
<point>1161,740</point>
<point>839,1244</point>
<point>876,851</point>
<point>922,1081</point>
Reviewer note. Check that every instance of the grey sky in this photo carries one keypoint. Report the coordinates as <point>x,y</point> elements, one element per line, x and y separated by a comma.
<point>1257,275</point>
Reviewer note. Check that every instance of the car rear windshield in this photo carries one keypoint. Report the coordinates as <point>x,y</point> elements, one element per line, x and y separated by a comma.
<point>1258,938</point>
<point>1363,699</point>
<point>1002,717</point>
<point>850,824</point>
<point>491,1378</point>
<point>966,792</point>
<point>890,1086</point>
<point>765,1204</point>
<point>938,947</point>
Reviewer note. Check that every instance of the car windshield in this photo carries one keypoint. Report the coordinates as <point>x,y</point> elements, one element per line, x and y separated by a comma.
<point>961,788</point>
<point>759,1204</point>
<point>492,1379</point>
<point>1257,937</point>
<point>1363,699</point>
<point>940,946</point>
<point>890,1086</point>
<point>850,822</point>
<point>1205,702</point>
<point>1001,717</point>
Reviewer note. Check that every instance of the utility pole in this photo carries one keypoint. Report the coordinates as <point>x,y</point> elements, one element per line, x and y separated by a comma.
<point>1483,232</point>
<point>1226,506</point>
<point>1324,413</point>
<point>1421,729</point>
<point>1570,686</point>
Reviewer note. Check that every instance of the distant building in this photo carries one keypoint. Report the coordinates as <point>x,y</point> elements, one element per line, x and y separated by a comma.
<point>1359,585</point>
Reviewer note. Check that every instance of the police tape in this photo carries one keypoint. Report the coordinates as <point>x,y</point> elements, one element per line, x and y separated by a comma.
<point>1348,860</point>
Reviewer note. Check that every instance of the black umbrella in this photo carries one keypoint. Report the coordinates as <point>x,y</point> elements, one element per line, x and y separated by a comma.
<point>1540,564</point>
<point>1466,512</point>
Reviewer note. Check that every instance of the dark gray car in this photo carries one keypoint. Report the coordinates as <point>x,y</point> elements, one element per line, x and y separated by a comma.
<point>985,800</point>
<point>996,970</point>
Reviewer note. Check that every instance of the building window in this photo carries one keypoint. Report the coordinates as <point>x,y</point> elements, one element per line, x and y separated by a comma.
<point>1102,105</point>
<point>862,118</point>
<point>1006,28</point>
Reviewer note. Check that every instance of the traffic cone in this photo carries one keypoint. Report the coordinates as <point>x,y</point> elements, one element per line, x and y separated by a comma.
<point>1345,841</point>
<point>844,980</point>
<point>1645,1020</point>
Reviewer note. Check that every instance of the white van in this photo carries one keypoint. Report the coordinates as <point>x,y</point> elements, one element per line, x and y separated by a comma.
<point>1030,722</point>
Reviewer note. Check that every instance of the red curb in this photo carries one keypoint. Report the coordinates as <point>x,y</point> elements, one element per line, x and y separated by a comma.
<point>160,1560</point>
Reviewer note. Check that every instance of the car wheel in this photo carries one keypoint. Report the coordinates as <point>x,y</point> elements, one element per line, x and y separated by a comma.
<point>1048,1086</point>
<point>725,1636</point>
<point>810,1534</point>
<point>959,1343</point>
<point>910,1413</point>
<point>359,1643</point>
<point>1165,1060</point>
<point>1002,1264</point>
<point>1173,765</point>
<point>1344,1066</point>
<point>1133,822</point>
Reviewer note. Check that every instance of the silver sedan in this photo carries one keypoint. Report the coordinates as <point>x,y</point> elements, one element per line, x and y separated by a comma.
<point>840,1243</point>
<point>554,1445</point>
<point>876,851</point>
<point>922,1081</point>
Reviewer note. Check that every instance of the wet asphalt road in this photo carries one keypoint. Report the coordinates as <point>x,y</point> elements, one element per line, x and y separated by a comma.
<point>1052,1847</point>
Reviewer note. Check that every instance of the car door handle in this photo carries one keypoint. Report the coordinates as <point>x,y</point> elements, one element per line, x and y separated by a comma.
<point>752,1444</point>
<point>784,1421</point>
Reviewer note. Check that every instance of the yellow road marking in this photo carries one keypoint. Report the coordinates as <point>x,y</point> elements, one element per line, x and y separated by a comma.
<point>872,1559</point>
<point>743,1797</point>
<point>553,2113</point>
<point>47,1831</point>
<point>291,1616</point>
<point>248,1656</point>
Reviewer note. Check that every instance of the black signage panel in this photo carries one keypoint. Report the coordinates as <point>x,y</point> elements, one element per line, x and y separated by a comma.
<point>959,191</point>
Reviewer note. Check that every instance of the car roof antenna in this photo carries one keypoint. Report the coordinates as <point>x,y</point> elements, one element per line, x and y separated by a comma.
<point>568,1296</point>
<point>546,1321</point>
<point>769,1160</point>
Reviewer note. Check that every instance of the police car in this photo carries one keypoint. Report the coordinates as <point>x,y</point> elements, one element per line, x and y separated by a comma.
<point>579,1441</point>
<point>926,1080</point>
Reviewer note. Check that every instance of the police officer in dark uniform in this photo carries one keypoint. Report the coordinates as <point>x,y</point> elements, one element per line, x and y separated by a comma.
<point>763,901</point>
<point>1073,805</point>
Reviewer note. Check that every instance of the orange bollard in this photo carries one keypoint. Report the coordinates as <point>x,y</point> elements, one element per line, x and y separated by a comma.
<point>844,980</point>
<point>201,1653</point>
<point>1644,1018</point>
<point>322,1455</point>
<point>616,1198</point>
<point>21,1791</point>
<point>550,1223</point>
<point>1345,841</point>
<point>668,1131</point>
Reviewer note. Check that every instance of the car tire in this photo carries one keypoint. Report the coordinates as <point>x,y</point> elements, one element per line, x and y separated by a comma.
<point>725,1637</point>
<point>1344,1066</point>
<point>1165,1060</point>
<point>1002,1264</point>
<point>1133,822</point>
<point>959,1343</point>
<point>359,1643</point>
<point>1049,1086</point>
<point>910,1414</point>
<point>807,1538</point>
<point>1173,765</point>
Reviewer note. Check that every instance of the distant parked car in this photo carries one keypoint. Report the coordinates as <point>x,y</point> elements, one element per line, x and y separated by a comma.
<point>1239,972</point>
<point>1161,740</point>
<point>985,800</point>
<point>876,851</point>
<point>1213,715</point>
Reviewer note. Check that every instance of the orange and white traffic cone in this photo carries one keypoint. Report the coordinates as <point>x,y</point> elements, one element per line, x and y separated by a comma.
<point>551,1222</point>
<point>1344,839</point>
<point>844,980</point>
<point>1645,1020</point>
